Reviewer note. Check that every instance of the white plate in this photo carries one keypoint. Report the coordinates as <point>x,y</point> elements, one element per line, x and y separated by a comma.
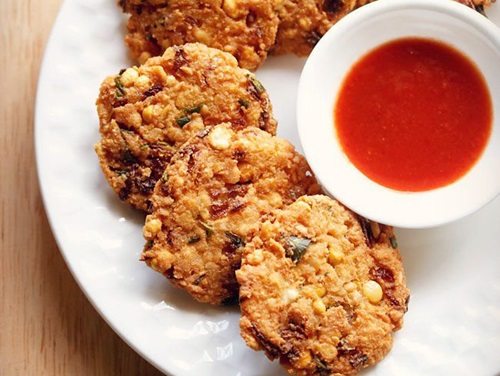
<point>452,327</point>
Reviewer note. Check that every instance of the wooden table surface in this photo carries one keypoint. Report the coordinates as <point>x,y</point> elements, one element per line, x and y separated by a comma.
<point>47,326</point>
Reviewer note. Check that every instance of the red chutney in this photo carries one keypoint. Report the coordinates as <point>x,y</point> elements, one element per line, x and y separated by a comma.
<point>414,114</point>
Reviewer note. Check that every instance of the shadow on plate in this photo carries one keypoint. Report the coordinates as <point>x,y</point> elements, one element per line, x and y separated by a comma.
<point>159,289</point>
<point>428,254</point>
<point>118,208</point>
<point>281,64</point>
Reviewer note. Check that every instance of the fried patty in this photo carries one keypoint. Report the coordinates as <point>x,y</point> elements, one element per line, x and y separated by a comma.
<point>244,28</point>
<point>304,22</point>
<point>146,113</point>
<point>321,289</point>
<point>209,202</point>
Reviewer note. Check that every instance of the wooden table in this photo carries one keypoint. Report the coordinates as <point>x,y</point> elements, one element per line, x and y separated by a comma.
<point>47,326</point>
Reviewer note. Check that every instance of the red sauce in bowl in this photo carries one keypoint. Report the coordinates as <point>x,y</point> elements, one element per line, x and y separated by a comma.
<point>414,114</point>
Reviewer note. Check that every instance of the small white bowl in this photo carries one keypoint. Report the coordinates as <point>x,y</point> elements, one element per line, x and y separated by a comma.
<point>323,74</point>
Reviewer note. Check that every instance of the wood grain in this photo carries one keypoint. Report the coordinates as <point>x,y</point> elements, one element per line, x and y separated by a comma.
<point>47,327</point>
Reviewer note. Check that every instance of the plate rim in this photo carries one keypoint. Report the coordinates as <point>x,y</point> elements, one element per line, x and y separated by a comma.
<point>44,186</point>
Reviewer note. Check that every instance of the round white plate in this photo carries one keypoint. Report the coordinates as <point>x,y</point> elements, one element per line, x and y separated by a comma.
<point>452,327</point>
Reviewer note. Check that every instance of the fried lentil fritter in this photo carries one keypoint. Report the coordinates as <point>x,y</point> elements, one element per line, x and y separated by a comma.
<point>146,113</point>
<point>321,289</point>
<point>244,28</point>
<point>209,203</point>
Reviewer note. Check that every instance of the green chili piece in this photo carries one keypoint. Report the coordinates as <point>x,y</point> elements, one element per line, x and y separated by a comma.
<point>208,229</point>
<point>182,121</point>
<point>120,90</point>
<point>195,109</point>
<point>257,85</point>
<point>296,247</point>
<point>394,242</point>
<point>244,103</point>
<point>194,239</point>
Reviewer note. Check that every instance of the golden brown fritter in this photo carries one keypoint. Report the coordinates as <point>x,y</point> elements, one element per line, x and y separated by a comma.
<point>147,112</point>
<point>478,5</point>
<point>244,28</point>
<point>304,22</point>
<point>321,289</point>
<point>210,201</point>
